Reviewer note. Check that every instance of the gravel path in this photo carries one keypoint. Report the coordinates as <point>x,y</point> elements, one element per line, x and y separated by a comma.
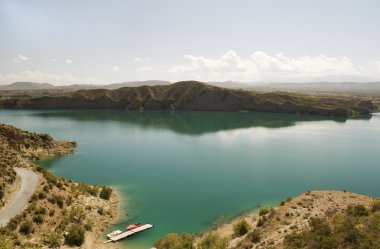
<point>29,181</point>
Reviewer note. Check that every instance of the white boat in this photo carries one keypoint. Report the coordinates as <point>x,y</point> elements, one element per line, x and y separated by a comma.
<point>114,233</point>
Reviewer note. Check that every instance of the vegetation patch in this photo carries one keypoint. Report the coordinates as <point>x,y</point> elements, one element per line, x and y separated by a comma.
<point>355,228</point>
<point>241,228</point>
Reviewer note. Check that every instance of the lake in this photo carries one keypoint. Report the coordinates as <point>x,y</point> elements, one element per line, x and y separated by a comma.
<point>182,170</point>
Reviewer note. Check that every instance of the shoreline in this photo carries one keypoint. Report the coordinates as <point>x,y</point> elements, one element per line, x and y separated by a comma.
<point>96,238</point>
<point>57,202</point>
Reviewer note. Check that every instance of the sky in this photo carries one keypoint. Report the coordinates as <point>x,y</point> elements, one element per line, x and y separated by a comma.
<point>67,42</point>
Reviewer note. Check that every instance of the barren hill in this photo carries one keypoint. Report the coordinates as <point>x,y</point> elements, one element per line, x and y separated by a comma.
<point>197,96</point>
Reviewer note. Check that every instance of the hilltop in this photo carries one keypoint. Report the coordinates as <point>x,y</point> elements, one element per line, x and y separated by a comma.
<point>196,96</point>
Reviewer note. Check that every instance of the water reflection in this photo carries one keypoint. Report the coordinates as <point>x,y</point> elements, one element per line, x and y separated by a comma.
<point>190,122</point>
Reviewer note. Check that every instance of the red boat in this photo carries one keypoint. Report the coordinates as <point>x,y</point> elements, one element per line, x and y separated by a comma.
<point>133,226</point>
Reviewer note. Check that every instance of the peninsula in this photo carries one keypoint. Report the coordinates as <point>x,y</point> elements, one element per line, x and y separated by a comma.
<point>40,210</point>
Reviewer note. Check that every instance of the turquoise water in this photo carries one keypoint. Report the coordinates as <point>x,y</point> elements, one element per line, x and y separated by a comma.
<point>181,170</point>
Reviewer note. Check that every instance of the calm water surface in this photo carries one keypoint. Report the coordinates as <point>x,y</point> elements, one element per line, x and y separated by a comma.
<point>181,170</point>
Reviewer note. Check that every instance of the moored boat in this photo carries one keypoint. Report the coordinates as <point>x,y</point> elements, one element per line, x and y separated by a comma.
<point>114,233</point>
<point>133,226</point>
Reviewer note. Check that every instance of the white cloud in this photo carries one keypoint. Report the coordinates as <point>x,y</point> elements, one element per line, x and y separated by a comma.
<point>20,58</point>
<point>69,61</point>
<point>262,67</point>
<point>116,68</point>
<point>37,76</point>
<point>138,59</point>
<point>52,60</point>
<point>23,58</point>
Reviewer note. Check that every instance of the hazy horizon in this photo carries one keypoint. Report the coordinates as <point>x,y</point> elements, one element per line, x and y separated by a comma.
<point>103,42</point>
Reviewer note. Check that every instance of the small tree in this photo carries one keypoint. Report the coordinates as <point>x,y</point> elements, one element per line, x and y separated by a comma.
<point>105,193</point>
<point>241,228</point>
<point>75,235</point>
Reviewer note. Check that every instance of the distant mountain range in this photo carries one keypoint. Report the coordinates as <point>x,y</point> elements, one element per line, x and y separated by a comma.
<point>30,86</point>
<point>372,88</point>
<point>192,95</point>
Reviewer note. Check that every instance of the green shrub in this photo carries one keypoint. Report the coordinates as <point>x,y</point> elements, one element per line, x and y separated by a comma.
<point>59,184</point>
<point>255,236</point>
<point>260,222</point>
<point>14,222</point>
<point>294,241</point>
<point>29,245</point>
<point>358,211</point>
<point>40,210</point>
<point>241,228</point>
<point>5,242</point>
<point>57,199</point>
<point>176,241</point>
<point>51,212</point>
<point>88,189</point>
<point>26,227</point>
<point>53,240</point>
<point>263,211</point>
<point>50,178</point>
<point>46,188</point>
<point>32,207</point>
<point>77,215</point>
<point>352,229</point>
<point>42,195</point>
<point>319,227</point>
<point>60,200</point>
<point>213,241</point>
<point>317,239</point>
<point>75,235</point>
<point>38,219</point>
<point>105,193</point>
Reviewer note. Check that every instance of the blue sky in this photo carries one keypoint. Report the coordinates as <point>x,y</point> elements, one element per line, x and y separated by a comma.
<point>106,41</point>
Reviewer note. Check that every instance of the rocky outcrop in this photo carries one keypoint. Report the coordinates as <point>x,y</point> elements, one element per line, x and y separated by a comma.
<point>34,146</point>
<point>194,96</point>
